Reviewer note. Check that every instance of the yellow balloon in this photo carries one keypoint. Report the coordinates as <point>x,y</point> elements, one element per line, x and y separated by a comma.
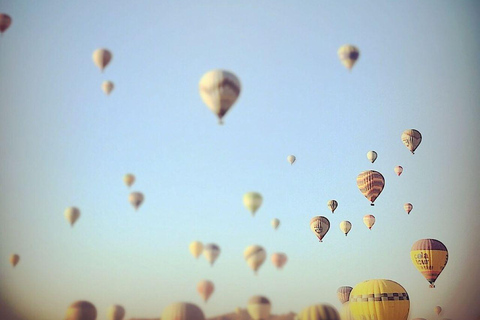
<point>72,214</point>
<point>369,221</point>
<point>129,179</point>
<point>115,312</point>
<point>107,87</point>
<point>259,308</point>
<point>319,312</point>
<point>430,257</point>
<point>182,311</point>
<point>255,256</point>
<point>196,248</point>
<point>14,259</point>
<point>81,310</point>
<point>252,201</point>
<point>348,55</point>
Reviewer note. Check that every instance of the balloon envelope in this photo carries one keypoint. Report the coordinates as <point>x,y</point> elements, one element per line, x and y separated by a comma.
<point>107,87</point>
<point>398,170</point>
<point>255,256</point>
<point>211,252</point>
<point>81,310</point>
<point>252,201</point>
<point>14,259</point>
<point>259,308</point>
<point>136,199</point>
<point>182,311</point>
<point>408,207</point>
<point>196,248</point>
<point>369,220</point>
<point>101,57</point>
<point>275,223</point>
<point>319,226</point>
<point>319,312</point>
<point>345,226</point>
<point>437,310</point>
<point>279,259</point>
<point>332,204</point>
<point>205,288</point>
<point>411,138</point>
<point>343,293</point>
<point>5,22</point>
<point>72,214</point>
<point>371,184</point>
<point>372,156</point>
<point>430,257</point>
<point>291,159</point>
<point>115,312</point>
<point>348,55</point>
<point>129,179</point>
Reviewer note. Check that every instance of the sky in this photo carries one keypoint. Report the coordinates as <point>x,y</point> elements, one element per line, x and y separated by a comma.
<point>65,143</point>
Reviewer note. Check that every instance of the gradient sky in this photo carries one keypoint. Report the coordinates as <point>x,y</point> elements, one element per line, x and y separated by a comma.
<point>64,143</point>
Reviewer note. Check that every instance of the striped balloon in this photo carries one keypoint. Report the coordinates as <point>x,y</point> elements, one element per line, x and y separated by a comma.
<point>182,311</point>
<point>319,226</point>
<point>211,252</point>
<point>332,204</point>
<point>259,308</point>
<point>343,293</point>
<point>398,170</point>
<point>348,55</point>
<point>430,257</point>
<point>319,312</point>
<point>255,256</point>
<point>369,220</point>
<point>371,184</point>
<point>408,207</point>
<point>205,289</point>
<point>411,138</point>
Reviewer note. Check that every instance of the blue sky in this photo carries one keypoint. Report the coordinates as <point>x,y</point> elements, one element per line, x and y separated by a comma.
<point>64,143</point>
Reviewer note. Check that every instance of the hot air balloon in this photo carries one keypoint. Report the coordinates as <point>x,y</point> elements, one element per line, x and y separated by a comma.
<point>411,139</point>
<point>211,252</point>
<point>419,319</point>
<point>343,293</point>
<point>332,204</point>
<point>345,312</point>
<point>348,55</point>
<point>81,310</point>
<point>14,259</point>
<point>107,87</point>
<point>372,156</point>
<point>205,289</point>
<point>437,310</point>
<point>408,207</point>
<point>369,220</point>
<point>129,179</point>
<point>291,159</point>
<point>275,223</point>
<point>5,22</point>
<point>371,184</point>
<point>279,259</point>
<point>252,201</point>
<point>255,256</point>
<point>398,170</point>
<point>345,226</point>
<point>319,312</point>
<point>219,89</point>
<point>101,57</point>
<point>259,308</point>
<point>430,257</point>
<point>115,312</point>
<point>319,226</point>
<point>182,311</point>
<point>136,199</point>
<point>387,300</point>
<point>196,248</point>
<point>72,214</point>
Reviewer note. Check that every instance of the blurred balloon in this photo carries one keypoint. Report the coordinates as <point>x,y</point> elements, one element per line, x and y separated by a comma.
<point>219,89</point>
<point>387,300</point>
<point>345,226</point>
<point>408,207</point>
<point>102,57</point>
<point>291,159</point>
<point>411,139</point>
<point>275,223</point>
<point>115,312</point>
<point>279,259</point>
<point>371,184</point>
<point>5,22</point>
<point>398,170</point>
<point>430,257</point>
<point>319,312</point>
<point>211,252</point>
<point>343,293</point>
<point>437,310</point>
<point>319,226</point>
<point>419,319</point>
<point>129,179</point>
<point>372,156</point>
<point>107,87</point>
<point>72,214</point>
<point>196,248</point>
<point>136,199</point>
<point>255,256</point>
<point>182,311</point>
<point>81,310</point>
<point>332,204</point>
<point>369,220</point>
<point>259,308</point>
<point>252,201</point>
<point>14,259</point>
<point>345,312</point>
<point>348,55</point>
<point>205,288</point>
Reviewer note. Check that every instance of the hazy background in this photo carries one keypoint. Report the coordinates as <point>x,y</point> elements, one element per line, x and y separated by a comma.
<point>64,143</point>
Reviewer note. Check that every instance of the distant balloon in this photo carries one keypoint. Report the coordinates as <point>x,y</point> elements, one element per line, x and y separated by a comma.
<point>419,319</point>
<point>291,159</point>
<point>343,293</point>
<point>205,288</point>
<point>411,139</point>
<point>81,310</point>
<point>107,87</point>
<point>136,199</point>
<point>369,220</point>
<point>372,156</point>
<point>5,22</point>
<point>332,204</point>
<point>430,257</point>
<point>252,201</point>
<point>259,308</point>
<point>398,170</point>
<point>319,312</point>
<point>408,207</point>
<point>319,226</point>
<point>72,214</point>
<point>196,248</point>
<point>14,259</point>
<point>389,300</point>
<point>437,310</point>
<point>345,226</point>
<point>101,58</point>
<point>219,89</point>
<point>129,179</point>
<point>371,184</point>
<point>115,312</point>
<point>348,55</point>
<point>279,259</point>
<point>211,252</point>
<point>255,256</point>
<point>182,311</point>
<point>275,223</point>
